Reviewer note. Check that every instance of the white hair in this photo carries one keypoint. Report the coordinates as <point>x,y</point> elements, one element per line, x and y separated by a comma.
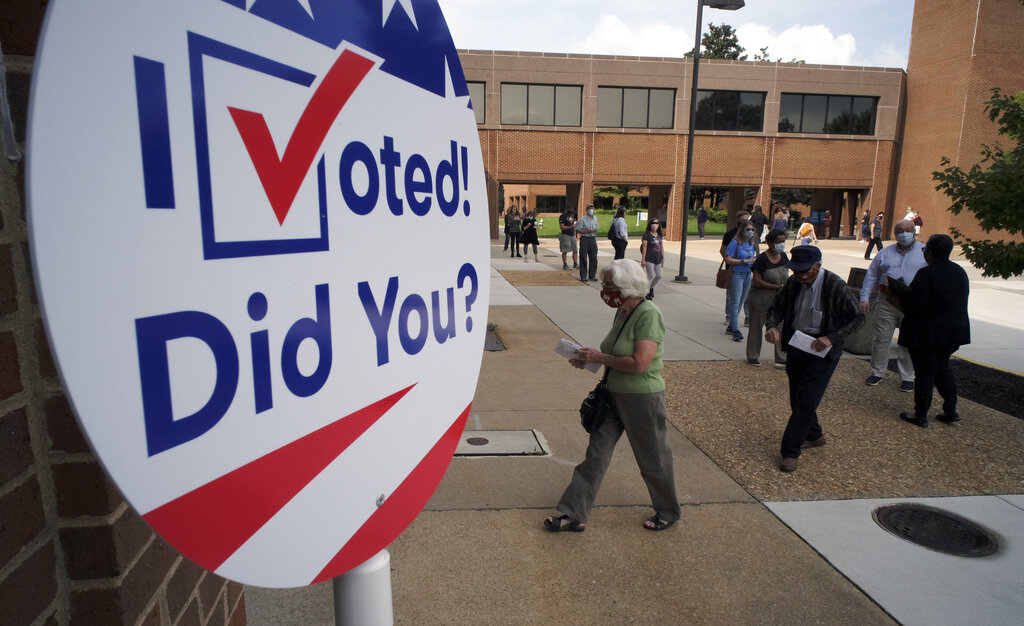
<point>628,276</point>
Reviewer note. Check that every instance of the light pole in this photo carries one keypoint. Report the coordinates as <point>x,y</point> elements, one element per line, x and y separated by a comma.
<point>726,5</point>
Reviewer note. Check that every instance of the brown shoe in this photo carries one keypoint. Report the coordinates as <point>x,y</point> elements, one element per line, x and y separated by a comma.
<point>788,465</point>
<point>817,443</point>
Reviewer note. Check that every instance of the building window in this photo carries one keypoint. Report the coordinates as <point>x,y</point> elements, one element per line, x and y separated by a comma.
<point>541,105</point>
<point>478,96</point>
<point>837,115</point>
<point>730,110</point>
<point>635,107</point>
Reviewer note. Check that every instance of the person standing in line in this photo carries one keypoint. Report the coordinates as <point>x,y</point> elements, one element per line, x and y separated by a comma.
<point>619,233</point>
<point>702,219</point>
<point>874,236</point>
<point>652,254</point>
<point>727,238</point>
<point>760,221</point>
<point>504,225</point>
<point>934,327</point>
<point>818,303</point>
<point>567,239</point>
<point>586,228</point>
<point>740,254</point>
<point>918,224</point>
<point>530,236</point>
<point>865,230</point>
<point>515,229</point>
<point>901,261</point>
<point>768,274</point>
<point>827,223</point>
<point>780,223</point>
<point>806,234</point>
<point>631,354</point>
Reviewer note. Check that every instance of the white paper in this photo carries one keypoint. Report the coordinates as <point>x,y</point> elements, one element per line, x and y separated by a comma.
<point>803,341</point>
<point>569,350</point>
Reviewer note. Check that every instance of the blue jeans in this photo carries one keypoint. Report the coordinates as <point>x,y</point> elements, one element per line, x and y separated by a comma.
<point>736,296</point>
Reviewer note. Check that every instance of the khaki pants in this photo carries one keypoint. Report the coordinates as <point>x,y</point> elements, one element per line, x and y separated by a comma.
<point>642,417</point>
<point>887,320</point>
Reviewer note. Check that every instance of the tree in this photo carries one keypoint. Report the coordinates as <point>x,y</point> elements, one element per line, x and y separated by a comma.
<point>993,190</point>
<point>788,196</point>
<point>720,42</point>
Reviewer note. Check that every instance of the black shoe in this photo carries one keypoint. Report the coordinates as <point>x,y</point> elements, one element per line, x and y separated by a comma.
<point>737,335</point>
<point>907,386</point>
<point>512,256</point>
<point>948,419</point>
<point>593,279</point>
<point>916,421</point>
<point>728,330</point>
<point>519,256</point>
<point>754,362</point>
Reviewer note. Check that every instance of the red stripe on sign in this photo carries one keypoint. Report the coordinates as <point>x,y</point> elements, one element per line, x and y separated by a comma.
<point>398,511</point>
<point>209,523</point>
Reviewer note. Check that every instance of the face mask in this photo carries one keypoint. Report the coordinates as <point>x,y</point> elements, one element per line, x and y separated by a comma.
<point>749,234</point>
<point>612,297</point>
<point>654,228</point>
<point>781,247</point>
<point>905,239</point>
<point>590,212</point>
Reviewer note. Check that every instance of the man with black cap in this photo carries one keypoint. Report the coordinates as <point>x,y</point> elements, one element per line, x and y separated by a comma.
<point>935,325</point>
<point>817,303</point>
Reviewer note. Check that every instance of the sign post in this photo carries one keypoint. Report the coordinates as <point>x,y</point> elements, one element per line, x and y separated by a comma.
<point>229,207</point>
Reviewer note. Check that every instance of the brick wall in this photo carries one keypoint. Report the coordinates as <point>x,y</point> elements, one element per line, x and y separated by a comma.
<point>71,550</point>
<point>959,51</point>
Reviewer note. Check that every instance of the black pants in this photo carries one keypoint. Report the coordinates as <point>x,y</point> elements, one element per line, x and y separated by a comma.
<point>588,257</point>
<point>931,370</point>
<point>809,376</point>
<point>515,243</point>
<point>620,247</point>
<point>871,244</point>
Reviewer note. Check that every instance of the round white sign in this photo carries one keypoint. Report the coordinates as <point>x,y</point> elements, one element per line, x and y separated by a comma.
<point>260,238</point>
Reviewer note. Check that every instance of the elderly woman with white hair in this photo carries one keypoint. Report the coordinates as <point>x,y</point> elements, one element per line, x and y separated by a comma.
<point>631,354</point>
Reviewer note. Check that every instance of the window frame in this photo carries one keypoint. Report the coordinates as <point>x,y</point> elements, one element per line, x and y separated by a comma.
<point>622,89</point>
<point>556,88</point>
<point>715,127</point>
<point>481,113</point>
<point>829,113</point>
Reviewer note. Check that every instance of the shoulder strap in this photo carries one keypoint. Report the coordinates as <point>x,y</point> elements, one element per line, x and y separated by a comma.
<point>621,328</point>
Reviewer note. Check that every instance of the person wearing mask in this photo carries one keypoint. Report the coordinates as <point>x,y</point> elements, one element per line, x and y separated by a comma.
<point>740,254</point>
<point>900,261</point>
<point>760,221</point>
<point>567,238</point>
<point>652,254</point>
<point>727,238</point>
<point>779,223</point>
<point>827,224</point>
<point>865,230</point>
<point>586,228</point>
<point>768,274</point>
<point>515,229</point>
<point>935,326</point>
<point>619,233</point>
<point>818,303</point>
<point>529,236</point>
<point>631,354</point>
<point>874,236</point>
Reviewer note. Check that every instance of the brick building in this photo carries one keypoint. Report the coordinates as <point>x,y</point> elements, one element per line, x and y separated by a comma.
<point>72,551</point>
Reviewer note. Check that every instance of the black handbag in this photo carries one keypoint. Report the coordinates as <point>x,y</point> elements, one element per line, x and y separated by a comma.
<point>595,406</point>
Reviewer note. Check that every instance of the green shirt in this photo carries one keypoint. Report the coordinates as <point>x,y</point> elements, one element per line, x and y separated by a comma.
<point>645,323</point>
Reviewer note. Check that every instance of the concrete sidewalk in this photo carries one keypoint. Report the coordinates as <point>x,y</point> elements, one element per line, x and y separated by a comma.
<point>753,545</point>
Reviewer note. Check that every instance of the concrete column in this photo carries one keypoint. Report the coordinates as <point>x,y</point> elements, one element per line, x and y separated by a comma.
<point>733,203</point>
<point>573,196</point>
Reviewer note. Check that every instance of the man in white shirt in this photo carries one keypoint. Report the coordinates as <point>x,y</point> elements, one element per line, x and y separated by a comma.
<point>586,228</point>
<point>899,261</point>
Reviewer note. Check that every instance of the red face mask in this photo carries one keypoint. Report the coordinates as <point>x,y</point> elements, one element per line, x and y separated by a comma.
<point>612,297</point>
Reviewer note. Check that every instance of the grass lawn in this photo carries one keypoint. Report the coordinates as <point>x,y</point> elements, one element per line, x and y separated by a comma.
<point>604,220</point>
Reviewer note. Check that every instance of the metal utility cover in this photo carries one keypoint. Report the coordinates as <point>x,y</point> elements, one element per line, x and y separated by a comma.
<point>500,443</point>
<point>936,529</point>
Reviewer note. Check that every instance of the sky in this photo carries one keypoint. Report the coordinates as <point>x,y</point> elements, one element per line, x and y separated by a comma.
<point>850,32</point>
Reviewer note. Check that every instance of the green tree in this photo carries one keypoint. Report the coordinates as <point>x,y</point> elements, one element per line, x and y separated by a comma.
<point>788,196</point>
<point>993,190</point>
<point>720,42</point>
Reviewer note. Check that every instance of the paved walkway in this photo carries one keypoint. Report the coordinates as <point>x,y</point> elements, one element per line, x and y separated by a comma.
<point>477,554</point>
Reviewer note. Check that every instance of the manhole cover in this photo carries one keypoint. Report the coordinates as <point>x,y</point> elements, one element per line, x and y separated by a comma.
<point>936,529</point>
<point>492,343</point>
<point>478,441</point>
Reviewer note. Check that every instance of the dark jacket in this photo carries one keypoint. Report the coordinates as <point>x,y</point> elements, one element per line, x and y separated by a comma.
<point>935,308</point>
<point>841,315</point>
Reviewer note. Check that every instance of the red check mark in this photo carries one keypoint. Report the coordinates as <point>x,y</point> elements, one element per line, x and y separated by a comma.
<point>281,177</point>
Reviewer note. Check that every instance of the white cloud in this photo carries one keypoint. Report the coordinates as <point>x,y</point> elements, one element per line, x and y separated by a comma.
<point>813,44</point>
<point>611,35</point>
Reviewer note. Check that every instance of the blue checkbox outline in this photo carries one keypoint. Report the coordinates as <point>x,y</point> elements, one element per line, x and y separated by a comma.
<point>198,47</point>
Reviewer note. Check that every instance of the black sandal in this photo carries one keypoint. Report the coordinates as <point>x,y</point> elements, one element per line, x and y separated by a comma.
<point>554,524</point>
<point>657,524</point>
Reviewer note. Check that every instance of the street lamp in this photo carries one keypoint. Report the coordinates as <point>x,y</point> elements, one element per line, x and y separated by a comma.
<point>725,5</point>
